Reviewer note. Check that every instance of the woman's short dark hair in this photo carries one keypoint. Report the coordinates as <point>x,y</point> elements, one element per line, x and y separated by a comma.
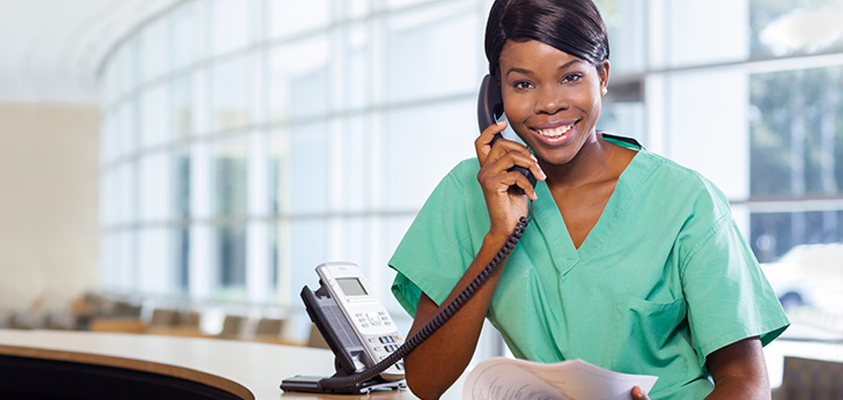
<point>572,26</point>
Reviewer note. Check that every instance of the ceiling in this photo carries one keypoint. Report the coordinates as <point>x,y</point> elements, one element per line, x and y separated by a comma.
<point>51,50</point>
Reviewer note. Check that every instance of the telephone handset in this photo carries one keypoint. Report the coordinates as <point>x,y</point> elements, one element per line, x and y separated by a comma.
<point>344,294</point>
<point>490,111</point>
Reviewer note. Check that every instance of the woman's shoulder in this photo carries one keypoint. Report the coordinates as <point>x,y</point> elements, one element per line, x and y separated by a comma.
<point>680,181</point>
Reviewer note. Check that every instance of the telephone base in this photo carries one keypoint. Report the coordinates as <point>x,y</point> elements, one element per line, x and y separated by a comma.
<point>310,384</point>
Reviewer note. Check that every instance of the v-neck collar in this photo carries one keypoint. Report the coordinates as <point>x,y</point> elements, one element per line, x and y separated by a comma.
<point>549,220</point>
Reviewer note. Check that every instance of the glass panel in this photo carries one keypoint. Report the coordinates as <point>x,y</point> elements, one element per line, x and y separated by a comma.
<point>625,119</point>
<point>290,17</point>
<point>433,53</point>
<point>183,108</point>
<point>155,260</point>
<point>797,132</point>
<point>181,182</point>
<point>354,167</point>
<point>309,175</point>
<point>299,176</point>
<point>357,73</point>
<point>230,25</point>
<point>788,27</point>
<point>156,199</point>
<point>412,141</point>
<point>181,252</point>
<point>154,51</point>
<point>308,249</point>
<point>300,79</point>
<point>627,34</point>
<point>230,167</point>
<point>706,32</point>
<point>125,212</point>
<point>184,35</point>
<point>154,118</point>
<point>231,250</point>
<point>232,92</point>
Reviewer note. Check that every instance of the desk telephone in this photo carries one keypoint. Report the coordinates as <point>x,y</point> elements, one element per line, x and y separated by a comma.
<point>357,328</point>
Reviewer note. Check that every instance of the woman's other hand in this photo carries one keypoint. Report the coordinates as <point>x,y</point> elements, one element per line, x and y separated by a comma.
<point>638,394</point>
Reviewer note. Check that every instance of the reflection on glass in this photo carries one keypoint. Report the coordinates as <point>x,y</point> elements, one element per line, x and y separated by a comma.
<point>300,78</point>
<point>788,27</point>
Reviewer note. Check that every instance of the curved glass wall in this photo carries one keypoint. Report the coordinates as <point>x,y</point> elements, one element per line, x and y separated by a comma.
<point>246,141</point>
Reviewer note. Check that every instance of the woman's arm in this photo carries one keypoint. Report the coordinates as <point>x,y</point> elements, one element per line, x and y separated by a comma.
<point>435,364</point>
<point>739,371</point>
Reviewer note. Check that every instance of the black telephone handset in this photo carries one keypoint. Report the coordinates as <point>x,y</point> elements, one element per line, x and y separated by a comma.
<point>368,351</point>
<point>489,111</point>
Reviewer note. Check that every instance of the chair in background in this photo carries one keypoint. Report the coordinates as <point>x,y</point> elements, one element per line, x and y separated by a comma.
<point>809,379</point>
<point>232,327</point>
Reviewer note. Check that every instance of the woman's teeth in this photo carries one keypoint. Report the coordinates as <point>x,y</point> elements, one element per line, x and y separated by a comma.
<point>556,132</point>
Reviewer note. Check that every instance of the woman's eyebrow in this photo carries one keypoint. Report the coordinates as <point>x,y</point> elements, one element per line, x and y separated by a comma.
<point>526,71</point>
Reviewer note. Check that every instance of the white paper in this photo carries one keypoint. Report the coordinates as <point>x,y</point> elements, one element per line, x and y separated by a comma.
<point>501,378</point>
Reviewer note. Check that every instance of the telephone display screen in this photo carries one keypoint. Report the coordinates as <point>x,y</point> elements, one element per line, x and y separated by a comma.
<point>351,287</point>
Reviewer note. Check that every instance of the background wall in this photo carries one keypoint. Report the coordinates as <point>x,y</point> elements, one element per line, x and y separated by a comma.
<point>49,225</point>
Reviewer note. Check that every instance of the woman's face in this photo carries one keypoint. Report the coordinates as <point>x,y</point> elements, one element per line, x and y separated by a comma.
<point>552,99</point>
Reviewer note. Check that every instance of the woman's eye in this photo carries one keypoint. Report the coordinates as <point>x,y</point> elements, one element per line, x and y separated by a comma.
<point>522,85</point>
<point>571,78</point>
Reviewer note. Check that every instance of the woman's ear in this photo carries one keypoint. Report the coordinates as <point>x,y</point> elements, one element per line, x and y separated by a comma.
<point>603,71</point>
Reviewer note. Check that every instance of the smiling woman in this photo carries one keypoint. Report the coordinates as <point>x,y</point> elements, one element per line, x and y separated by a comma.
<point>633,262</point>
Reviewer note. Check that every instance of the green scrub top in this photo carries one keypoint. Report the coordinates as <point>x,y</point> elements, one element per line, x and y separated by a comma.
<point>663,279</point>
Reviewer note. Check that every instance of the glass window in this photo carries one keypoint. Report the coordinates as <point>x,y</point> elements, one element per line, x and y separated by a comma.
<point>788,27</point>
<point>432,53</point>
<point>308,187</point>
<point>231,25</point>
<point>436,137</point>
<point>184,35</point>
<point>154,51</point>
<point>230,163</point>
<point>293,17</point>
<point>300,79</point>
<point>357,74</point>
<point>155,260</point>
<point>154,117</point>
<point>183,108</point>
<point>232,91</point>
<point>156,198</point>
<point>231,255</point>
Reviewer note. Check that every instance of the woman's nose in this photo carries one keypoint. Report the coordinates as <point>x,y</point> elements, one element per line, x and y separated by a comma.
<point>550,102</point>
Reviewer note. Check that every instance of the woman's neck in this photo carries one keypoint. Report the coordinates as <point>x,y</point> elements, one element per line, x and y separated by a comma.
<point>592,164</point>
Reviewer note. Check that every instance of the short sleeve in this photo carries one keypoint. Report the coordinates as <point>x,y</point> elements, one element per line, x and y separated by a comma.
<point>437,248</point>
<point>728,297</point>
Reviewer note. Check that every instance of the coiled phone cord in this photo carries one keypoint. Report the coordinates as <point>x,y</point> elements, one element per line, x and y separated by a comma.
<point>440,319</point>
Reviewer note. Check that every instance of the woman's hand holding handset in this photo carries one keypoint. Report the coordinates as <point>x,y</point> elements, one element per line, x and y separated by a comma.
<point>505,205</point>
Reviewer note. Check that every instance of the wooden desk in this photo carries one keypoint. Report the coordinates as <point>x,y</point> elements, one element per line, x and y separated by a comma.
<point>245,369</point>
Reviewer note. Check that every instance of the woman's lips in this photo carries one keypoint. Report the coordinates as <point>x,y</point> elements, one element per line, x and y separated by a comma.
<point>555,133</point>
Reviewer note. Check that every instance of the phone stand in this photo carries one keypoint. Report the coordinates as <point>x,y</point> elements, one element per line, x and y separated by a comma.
<point>310,384</point>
